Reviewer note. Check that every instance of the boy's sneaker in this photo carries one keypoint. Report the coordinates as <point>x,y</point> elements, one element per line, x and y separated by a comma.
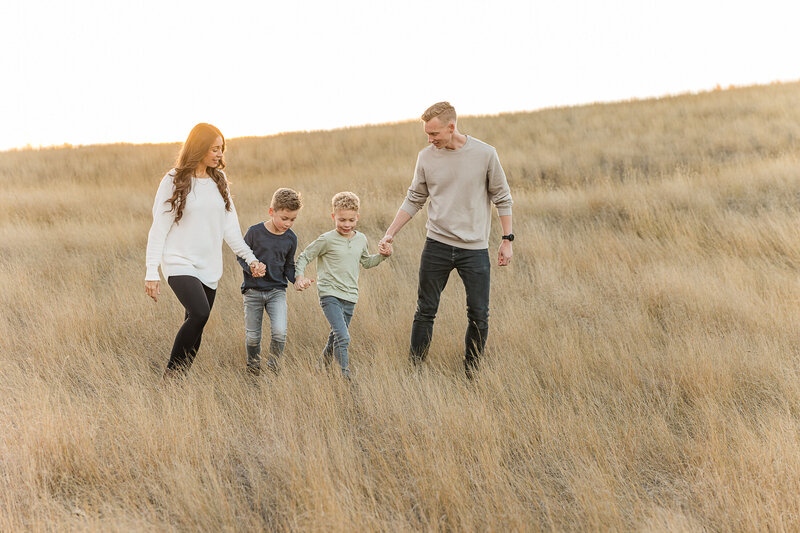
<point>471,369</point>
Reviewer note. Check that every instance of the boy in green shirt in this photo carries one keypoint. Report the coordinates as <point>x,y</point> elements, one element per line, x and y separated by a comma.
<point>339,253</point>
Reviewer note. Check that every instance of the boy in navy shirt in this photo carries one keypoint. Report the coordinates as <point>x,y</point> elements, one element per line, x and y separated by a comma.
<point>274,244</point>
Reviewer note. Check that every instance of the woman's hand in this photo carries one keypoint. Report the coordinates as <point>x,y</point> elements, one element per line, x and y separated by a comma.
<point>152,289</point>
<point>258,269</point>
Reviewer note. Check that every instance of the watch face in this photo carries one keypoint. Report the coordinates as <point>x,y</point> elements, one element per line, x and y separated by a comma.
<point>509,237</point>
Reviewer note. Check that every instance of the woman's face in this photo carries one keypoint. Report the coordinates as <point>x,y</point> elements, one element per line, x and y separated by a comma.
<point>212,158</point>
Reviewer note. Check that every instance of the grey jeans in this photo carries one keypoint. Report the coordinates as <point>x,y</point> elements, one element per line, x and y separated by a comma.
<point>255,302</point>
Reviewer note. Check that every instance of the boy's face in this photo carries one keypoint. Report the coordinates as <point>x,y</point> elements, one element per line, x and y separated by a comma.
<point>345,220</point>
<point>282,219</point>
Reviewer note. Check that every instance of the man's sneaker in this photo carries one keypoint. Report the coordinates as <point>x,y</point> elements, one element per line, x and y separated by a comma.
<point>173,375</point>
<point>272,365</point>
<point>254,370</point>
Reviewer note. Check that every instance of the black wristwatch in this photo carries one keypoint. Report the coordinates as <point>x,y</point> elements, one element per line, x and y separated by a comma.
<point>509,237</point>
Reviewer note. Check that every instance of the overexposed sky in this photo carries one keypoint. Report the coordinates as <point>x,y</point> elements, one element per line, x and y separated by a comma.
<point>97,71</point>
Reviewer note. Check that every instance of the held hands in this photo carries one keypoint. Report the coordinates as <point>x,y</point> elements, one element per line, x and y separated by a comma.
<point>258,269</point>
<point>385,247</point>
<point>152,289</point>
<point>302,283</point>
<point>504,254</point>
<point>387,239</point>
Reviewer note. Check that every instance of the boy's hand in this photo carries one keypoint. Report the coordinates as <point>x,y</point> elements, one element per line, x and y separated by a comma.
<point>385,248</point>
<point>301,283</point>
<point>258,269</point>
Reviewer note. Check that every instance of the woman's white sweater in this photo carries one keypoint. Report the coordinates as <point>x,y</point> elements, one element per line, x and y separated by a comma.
<point>193,246</point>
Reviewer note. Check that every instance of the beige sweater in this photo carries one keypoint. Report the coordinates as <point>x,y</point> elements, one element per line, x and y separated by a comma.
<point>462,185</point>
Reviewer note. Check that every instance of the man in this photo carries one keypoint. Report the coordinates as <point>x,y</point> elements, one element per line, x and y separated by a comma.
<point>463,178</point>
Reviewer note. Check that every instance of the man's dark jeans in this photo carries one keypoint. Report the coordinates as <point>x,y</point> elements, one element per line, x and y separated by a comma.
<point>438,259</point>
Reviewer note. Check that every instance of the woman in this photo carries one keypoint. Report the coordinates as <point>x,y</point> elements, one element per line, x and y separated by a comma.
<point>192,214</point>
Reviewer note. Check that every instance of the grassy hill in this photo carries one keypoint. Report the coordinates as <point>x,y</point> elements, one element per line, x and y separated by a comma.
<point>642,369</point>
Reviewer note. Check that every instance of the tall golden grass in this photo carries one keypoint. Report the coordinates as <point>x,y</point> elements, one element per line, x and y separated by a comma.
<point>641,371</point>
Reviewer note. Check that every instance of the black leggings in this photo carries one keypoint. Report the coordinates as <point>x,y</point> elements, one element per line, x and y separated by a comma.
<point>197,299</point>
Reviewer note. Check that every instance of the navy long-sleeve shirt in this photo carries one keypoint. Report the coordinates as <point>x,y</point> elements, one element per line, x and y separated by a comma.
<point>275,251</point>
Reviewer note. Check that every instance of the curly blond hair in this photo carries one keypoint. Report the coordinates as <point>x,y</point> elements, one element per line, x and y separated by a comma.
<point>286,198</point>
<point>345,200</point>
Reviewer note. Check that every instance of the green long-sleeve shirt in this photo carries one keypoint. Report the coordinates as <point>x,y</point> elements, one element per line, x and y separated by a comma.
<point>337,263</point>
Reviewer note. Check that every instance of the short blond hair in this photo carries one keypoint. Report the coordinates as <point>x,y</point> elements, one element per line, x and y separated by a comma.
<point>441,110</point>
<point>285,198</point>
<point>345,200</point>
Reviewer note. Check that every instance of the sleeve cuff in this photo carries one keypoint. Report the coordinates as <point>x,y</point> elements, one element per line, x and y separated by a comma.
<point>152,274</point>
<point>504,211</point>
<point>409,208</point>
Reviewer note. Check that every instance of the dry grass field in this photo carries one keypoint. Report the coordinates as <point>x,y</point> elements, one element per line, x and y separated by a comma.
<point>642,371</point>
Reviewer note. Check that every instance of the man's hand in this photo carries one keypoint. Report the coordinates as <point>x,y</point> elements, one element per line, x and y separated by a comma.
<point>387,239</point>
<point>385,248</point>
<point>152,289</point>
<point>258,269</point>
<point>504,254</point>
<point>400,220</point>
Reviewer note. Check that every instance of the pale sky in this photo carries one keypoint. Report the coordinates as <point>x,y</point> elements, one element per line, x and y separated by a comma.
<point>98,71</point>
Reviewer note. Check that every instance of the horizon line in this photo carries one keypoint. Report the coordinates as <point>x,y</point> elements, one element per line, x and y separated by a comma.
<point>717,88</point>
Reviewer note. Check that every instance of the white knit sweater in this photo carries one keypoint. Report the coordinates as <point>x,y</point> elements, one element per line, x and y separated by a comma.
<point>193,246</point>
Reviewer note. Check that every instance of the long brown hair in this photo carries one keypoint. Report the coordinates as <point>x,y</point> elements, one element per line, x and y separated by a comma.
<point>192,153</point>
